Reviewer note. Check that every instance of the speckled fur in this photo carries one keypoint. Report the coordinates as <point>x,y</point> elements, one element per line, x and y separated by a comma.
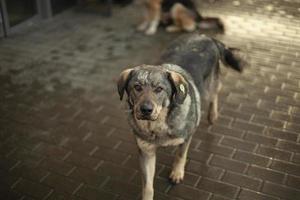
<point>189,67</point>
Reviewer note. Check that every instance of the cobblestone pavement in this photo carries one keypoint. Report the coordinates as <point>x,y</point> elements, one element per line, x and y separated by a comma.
<point>64,134</point>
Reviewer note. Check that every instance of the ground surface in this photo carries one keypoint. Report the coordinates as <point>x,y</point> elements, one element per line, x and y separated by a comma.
<point>64,135</point>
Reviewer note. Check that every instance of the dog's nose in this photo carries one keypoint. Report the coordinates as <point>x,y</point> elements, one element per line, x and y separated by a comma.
<point>146,108</point>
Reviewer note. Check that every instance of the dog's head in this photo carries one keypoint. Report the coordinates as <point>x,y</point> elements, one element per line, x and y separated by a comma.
<point>151,89</point>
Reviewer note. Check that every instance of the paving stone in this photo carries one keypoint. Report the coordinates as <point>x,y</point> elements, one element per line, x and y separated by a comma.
<point>33,189</point>
<point>274,153</point>
<point>228,164</point>
<point>281,191</point>
<point>242,125</point>
<point>61,184</point>
<point>266,174</point>
<point>123,188</point>
<point>93,193</point>
<point>116,171</point>
<point>282,134</point>
<point>220,188</point>
<point>251,158</point>
<point>82,160</point>
<point>287,167</point>
<point>218,197</point>
<point>238,144</point>
<point>224,130</point>
<point>289,146</point>
<point>236,114</point>
<point>249,195</point>
<point>217,149</point>
<point>242,180</point>
<point>188,192</point>
<point>261,139</point>
<point>87,176</point>
<point>203,170</point>
<point>56,166</point>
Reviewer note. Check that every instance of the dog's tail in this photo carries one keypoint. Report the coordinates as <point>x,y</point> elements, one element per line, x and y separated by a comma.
<point>210,23</point>
<point>231,57</point>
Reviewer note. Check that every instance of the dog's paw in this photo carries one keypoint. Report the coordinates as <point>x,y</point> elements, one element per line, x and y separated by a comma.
<point>150,31</point>
<point>176,176</point>
<point>173,29</point>
<point>148,194</point>
<point>142,27</point>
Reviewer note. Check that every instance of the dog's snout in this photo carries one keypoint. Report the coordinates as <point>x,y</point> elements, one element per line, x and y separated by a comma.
<point>146,108</point>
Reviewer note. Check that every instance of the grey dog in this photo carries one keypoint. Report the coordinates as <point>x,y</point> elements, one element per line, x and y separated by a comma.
<point>164,99</point>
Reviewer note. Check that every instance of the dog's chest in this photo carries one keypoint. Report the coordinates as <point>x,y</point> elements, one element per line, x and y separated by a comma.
<point>158,133</point>
<point>153,128</point>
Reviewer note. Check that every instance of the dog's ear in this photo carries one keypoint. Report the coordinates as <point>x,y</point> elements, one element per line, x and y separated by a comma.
<point>180,86</point>
<point>123,81</point>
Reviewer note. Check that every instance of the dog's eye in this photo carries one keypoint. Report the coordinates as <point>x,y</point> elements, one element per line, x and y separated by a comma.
<point>138,88</point>
<point>158,89</point>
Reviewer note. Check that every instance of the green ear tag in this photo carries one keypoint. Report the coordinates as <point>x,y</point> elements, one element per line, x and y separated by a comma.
<point>181,87</point>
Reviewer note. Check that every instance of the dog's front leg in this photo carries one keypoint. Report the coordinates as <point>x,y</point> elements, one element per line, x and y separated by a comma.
<point>147,157</point>
<point>177,173</point>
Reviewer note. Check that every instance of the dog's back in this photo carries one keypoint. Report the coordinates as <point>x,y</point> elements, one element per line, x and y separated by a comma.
<point>199,55</point>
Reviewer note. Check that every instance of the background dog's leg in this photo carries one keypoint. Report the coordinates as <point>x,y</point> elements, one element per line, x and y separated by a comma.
<point>182,18</point>
<point>154,16</point>
<point>143,26</point>
<point>147,156</point>
<point>177,173</point>
<point>188,24</point>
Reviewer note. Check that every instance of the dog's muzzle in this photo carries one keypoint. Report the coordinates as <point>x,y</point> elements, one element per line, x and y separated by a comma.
<point>146,110</point>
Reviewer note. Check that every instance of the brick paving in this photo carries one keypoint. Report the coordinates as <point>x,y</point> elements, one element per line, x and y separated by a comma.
<point>64,134</point>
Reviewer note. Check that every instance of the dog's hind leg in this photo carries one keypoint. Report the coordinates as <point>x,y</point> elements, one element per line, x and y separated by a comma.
<point>213,103</point>
<point>177,173</point>
<point>147,157</point>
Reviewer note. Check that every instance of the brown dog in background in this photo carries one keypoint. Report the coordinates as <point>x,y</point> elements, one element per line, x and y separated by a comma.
<point>176,15</point>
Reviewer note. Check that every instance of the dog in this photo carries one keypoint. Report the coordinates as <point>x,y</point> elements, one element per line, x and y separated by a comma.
<point>176,15</point>
<point>164,99</point>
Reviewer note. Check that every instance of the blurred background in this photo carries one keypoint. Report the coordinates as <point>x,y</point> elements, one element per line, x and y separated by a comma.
<point>63,130</point>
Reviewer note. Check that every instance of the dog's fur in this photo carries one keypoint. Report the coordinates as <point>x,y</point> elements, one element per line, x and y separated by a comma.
<point>164,99</point>
<point>177,15</point>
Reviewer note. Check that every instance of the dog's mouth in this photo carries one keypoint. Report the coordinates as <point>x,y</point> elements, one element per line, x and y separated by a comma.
<point>145,117</point>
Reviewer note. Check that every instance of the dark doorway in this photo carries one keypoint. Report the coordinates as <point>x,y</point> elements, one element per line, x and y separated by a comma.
<point>60,5</point>
<point>18,14</point>
<point>14,13</point>
<point>19,11</point>
<point>2,33</point>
